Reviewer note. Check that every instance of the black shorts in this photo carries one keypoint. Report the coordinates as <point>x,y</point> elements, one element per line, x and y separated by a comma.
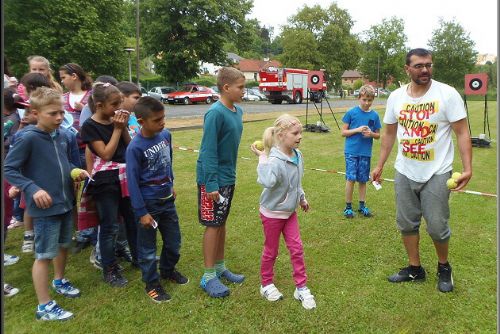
<point>211,213</point>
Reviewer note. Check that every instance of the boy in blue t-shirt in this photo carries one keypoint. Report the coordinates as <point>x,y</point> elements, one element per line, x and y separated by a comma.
<point>150,182</point>
<point>216,176</point>
<point>361,125</point>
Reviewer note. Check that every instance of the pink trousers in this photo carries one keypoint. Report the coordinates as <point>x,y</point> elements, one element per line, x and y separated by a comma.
<point>273,227</point>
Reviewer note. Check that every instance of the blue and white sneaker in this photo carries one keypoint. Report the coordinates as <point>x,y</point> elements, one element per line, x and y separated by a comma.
<point>52,311</point>
<point>9,260</point>
<point>66,289</point>
<point>365,211</point>
<point>348,213</point>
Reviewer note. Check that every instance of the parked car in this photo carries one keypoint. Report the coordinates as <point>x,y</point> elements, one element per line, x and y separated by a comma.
<point>384,92</point>
<point>215,89</point>
<point>161,93</point>
<point>250,96</point>
<point>193,93</point>
<point>256,91</point>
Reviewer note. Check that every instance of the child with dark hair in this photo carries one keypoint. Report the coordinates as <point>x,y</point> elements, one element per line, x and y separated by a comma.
<point>87,109</point>
<point>131,94</point>
<point>10,117</point>
<point>107,138</point>
<point>79,86</point>
<point>150,183</point>
<point>32,81</point>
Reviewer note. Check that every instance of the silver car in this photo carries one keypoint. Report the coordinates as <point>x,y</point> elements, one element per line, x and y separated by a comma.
<point>160,93</point>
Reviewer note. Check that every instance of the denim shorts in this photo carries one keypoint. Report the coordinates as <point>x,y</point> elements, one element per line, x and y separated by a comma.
<point>357,168</point>
<point>51,233</point>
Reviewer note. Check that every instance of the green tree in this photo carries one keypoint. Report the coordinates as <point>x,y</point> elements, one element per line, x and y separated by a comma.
<point>453,53</point>
<point>180,34</point>
<point>385,51</point>
<point>252,41</point>
<point>317,38</point>
<point>89,33</point>
<point>490,69</point>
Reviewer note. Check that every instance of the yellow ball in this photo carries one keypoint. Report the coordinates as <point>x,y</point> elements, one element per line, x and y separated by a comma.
<point>75,172</point>
<point>456,176</point>
<point>451,183</point>
<point>259,145</point>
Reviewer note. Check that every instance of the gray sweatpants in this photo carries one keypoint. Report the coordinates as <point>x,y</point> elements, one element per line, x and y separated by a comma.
<point>429,199</point>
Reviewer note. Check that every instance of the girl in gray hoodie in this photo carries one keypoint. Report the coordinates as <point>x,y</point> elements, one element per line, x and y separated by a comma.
<point>280,172</point>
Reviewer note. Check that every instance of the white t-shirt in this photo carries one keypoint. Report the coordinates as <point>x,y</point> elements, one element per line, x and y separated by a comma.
<point>75,98</point>
<point>425,146</point>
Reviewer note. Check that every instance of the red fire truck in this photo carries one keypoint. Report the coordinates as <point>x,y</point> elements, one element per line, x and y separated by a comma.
<point>290,84</point>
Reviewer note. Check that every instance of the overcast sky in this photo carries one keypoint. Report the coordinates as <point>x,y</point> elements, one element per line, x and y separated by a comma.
<point>479,18</point>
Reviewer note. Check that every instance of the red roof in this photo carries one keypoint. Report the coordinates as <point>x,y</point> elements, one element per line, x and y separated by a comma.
<point>255,65</point>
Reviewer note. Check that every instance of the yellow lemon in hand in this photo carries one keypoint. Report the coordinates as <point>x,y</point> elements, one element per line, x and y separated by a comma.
<point>456,176</point>
<point>259,145</point>
<point>451,183</point>
<point>75,172</point>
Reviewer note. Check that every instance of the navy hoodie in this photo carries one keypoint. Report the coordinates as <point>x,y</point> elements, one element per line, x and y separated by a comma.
<point>38,161</point>
<point>149,169</point>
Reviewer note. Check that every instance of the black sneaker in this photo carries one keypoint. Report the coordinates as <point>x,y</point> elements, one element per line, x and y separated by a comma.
<point>445,278</point>
<point>157,293</point>
<point>175,277</point>
<point>113,277</point>
<point>125,254</point>
<point>408,275</point>
<point>98,264</point>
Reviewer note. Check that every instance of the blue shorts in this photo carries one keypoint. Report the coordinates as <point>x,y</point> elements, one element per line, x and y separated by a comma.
<point>357,168</point>
<point>51,233</point>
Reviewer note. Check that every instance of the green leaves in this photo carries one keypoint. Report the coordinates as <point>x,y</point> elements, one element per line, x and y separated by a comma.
<point>317,38</point>
<point>84,32</point>
<point>180,34</point>
<point>453,53</point>
<point>384,51</point>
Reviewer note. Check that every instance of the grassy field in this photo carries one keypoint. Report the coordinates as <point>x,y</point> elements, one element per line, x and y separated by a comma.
<point>347,260</point>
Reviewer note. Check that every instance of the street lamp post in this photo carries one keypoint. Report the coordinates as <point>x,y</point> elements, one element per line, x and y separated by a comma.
<point>129,50</point>
<point>378,72</point>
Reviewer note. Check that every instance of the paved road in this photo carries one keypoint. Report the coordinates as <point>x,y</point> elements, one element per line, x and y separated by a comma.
<point>178,111</point>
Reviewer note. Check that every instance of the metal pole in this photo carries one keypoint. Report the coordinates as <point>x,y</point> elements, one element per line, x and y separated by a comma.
<point>129,67</point>
<point>137,43</point>
<point>378,71</point>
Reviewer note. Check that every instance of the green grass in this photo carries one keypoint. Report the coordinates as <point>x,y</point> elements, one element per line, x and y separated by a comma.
<point>347,260</point>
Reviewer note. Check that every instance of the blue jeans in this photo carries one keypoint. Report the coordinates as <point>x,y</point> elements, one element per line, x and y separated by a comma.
<point>165,214</point>
<point>17,212</point>
<point>110,205</point>
<point>87,235</point>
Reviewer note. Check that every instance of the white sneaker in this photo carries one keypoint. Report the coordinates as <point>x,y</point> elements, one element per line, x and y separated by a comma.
<point>9,260</point>
<point>9,290</point>
<point>28,246</point>
<point>270,292</point>
<point>305,296</point>
<point>92,256</point>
